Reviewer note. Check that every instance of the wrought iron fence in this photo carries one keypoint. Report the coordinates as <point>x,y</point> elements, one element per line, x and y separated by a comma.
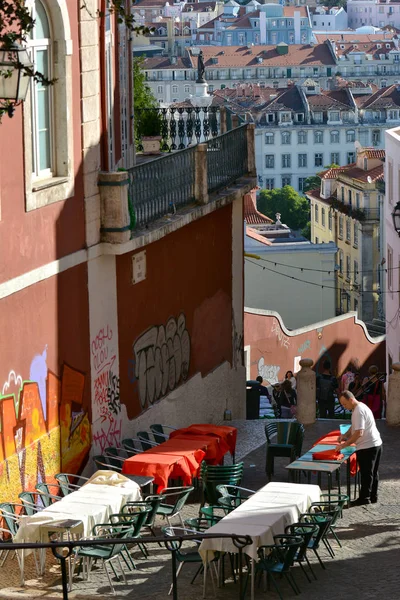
<point>177,127</point>
<point>62,550</point>
<point>226,158</point>
<point>160,186</point>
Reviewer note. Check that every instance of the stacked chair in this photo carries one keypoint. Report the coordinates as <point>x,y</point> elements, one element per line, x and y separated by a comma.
<point>288,443</point>
<point>215,475</point>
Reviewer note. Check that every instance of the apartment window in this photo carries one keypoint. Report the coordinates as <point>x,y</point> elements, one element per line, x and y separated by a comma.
<point>355,305</point>
<point>286,117</point>
<point>351,157</point>
<point>187,89</point>
<point>355,234</point>
<point>160,89</point>
<point>269,138</point>
<point>348,230</point>
<point>302,160</point>
<point>376,137</point>
<point>348,267</point>
<point>286,180</point>
<point>269,161</point>
<point>355,274</point>
<point>302,137</point>
<point>350,197</point>
<point>334,137</point>
<point>241,39</point>
<point>342,193</point>
<point>357,199</point>
<point>318,117</point>
<point>318,159</point>
<point>286,161</point>
<point>334,116</point>
<point>390,268</point>
<point>316,213</point>
<point>335,158</point>
<point>302,181</point>
<point>323,217</point>
<point>286,136</point>
<point>270,117</point>
<point>269,183</point>
<point>330,220</point>
<point>350,135</point>
<point>341,226</point>
<point>318,137</point>
<point>341,262</point>
<point>363,137</point>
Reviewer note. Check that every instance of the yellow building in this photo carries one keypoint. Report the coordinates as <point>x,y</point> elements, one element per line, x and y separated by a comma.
<point>347,210</point>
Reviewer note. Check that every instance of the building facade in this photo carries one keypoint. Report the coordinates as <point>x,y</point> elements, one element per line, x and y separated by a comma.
<point>302,129</point>
<point>373,12</point>
<point>326,18</point>
<point>392,248</point>
<point>347,209</point>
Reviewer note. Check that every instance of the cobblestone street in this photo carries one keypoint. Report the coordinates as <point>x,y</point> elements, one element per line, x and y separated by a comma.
<point>367,567</point>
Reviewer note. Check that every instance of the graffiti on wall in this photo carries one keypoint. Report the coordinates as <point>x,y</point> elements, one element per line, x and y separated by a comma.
<point>107,419</point>
<point>304,347</point>
<point>41,433</point>
<point>282,338</point>
<point>238,347</point>
<point>268,372</point>
<point>161,359</point>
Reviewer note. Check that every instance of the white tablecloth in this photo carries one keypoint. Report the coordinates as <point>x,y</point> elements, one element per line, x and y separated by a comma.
<point>91,504</point>
<point>262,516</point>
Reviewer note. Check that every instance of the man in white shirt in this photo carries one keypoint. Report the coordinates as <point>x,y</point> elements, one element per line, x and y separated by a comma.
<point>365,435</point>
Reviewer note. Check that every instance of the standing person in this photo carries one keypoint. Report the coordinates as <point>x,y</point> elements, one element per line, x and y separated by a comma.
<point>289,375</point>
<point>365,435</point>
<point>326,386</point>
<point>287,399</point>
<point>347,378</point>
<point>262,389</point>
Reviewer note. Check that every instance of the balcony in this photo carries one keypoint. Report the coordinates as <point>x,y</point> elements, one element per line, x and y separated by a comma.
<point>171,187</point>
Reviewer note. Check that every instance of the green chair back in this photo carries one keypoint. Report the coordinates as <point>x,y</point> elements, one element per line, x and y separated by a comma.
<point>28,499</point>
<point>158,433</point>
<point>136,520</point>
<point>9,515</point>
<point>144,439</point>
<point>64,483</point>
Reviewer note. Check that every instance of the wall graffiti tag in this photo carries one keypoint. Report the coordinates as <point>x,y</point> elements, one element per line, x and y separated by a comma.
<point>162,358</point>
<point>282,338</point>
<point>304,347</point>
<point>268,372</point>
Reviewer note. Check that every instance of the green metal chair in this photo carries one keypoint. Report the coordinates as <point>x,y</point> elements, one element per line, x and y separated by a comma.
<point>323,522</point>
<point>136,514</point>
<point>191,556</point>
<point>145,441</point>
<point>289,441</point>
<point>333,509</point>
<point>46,496</point>
<point>180,496</point>
<point>306,531</point>
<point>236,494</point>
<point>10,511</point>
<point>159,434</point>
<point>277,559</point>
<point>215,475</point>
<point>65,483</point>
<point>28,499</point>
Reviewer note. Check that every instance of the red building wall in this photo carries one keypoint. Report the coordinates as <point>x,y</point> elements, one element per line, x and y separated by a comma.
<point>274,350</point>
<point>178,321</point>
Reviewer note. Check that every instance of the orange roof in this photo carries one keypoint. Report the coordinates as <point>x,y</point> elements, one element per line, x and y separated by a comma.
<point>334,172</point>
<point>355,172</point>
<point>256,236</point>
<point>251,214</point>
<point>373,153</point>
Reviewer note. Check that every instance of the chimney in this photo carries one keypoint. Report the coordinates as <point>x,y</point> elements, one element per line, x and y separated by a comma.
<point>297,36</point>
<point>263,28</point>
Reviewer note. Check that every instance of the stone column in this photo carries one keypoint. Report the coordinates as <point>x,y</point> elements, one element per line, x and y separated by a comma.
<point>393,397</point>
<point>115,218</point>
<point>306,393</point>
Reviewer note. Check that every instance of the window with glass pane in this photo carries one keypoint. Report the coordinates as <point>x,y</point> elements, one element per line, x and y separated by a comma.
<point>348,230</point>
<point>316,213</point>
<point>323,217</point>
<point>301,183</point>
<point>350,135</point>
<point>302,137</point>
<point>286,181</point>
<point>330,220</point>
<point>355,274</point>
<point>269,183</point>
<point>351,157</point>
<point>334,137</point>
<point>341,226</point>
<point>335,158</point>
<point>269,138</point>
<point>318,159</point>
<point>302,158</point>
<point>318,137</point>
<point>348,267</point>
<point>286,160</point>
<point>269,161</point>
<point>286,137</point>
<point>40,48</point>
<point>355,234</point>
<point>341,261</point>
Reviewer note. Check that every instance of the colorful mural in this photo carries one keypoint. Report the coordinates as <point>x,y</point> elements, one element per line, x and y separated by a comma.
<point>37,419</point>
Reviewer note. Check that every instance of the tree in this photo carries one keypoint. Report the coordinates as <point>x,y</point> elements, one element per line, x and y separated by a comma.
<point>294,208</point>
<point>147,122</point>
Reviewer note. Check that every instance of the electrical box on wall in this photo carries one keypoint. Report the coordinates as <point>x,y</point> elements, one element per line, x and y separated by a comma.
<point>139,267</point>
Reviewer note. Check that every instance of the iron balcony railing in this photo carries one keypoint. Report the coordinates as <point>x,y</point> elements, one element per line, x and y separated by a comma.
<point>161,186</point>
<point>226,158</point>
<point>178,127</point>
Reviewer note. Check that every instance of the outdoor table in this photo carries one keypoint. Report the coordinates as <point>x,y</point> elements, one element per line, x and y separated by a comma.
<point>226,433</point>
<point>319,467</point>
<point>161,466</point>
<point>91,504</point>
<point>265,514</point>
<point>214,447</point>
<point>347,453</point>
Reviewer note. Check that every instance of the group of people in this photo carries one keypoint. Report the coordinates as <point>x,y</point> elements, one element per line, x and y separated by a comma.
<point>284,395</point>
<point>369,390</point>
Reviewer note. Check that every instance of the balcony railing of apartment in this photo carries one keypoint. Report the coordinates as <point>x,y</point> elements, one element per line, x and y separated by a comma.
<point>176,126</point>
<point>163,185</point>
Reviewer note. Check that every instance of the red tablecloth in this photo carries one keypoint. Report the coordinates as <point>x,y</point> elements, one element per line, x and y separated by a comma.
<point>331,438</point>
<point>214,447</point>
<point>226,433</point>
<point>160,466</point>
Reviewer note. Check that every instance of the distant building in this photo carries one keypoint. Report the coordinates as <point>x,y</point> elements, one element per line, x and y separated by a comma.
<point>325,18</point>
<point>347,210</point>
<point>373,12</point>
<point>301,129</point>
<point>279,250</point>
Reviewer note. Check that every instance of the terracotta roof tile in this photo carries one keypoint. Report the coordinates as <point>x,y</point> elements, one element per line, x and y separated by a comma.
<point>383,98</point>
<point>354,172</point>
<point>373,153</point>
<point>251,214</point>
<point>256,236</point>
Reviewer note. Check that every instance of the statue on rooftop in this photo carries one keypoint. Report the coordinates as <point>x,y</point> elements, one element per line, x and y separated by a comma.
<point>200,68</point>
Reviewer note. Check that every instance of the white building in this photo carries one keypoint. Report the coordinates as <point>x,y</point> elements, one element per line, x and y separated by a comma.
<point>308,298</point>
<point>373,12</point>
<point>325,18</point>
<point>392,243</point>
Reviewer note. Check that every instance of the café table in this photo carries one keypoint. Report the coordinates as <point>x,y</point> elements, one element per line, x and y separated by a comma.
<point>298,466</point>
<point>92,504</point>
<point>226,433</point>
<point>161,466</point>
<point>347,452</point>
<point>265,514</point>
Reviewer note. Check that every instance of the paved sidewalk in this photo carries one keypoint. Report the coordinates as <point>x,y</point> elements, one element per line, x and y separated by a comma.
<point>366,568</point>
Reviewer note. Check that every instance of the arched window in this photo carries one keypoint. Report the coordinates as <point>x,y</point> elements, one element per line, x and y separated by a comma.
<point>41,95</point>
<point>334,137</point>
<point>350,135</point>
